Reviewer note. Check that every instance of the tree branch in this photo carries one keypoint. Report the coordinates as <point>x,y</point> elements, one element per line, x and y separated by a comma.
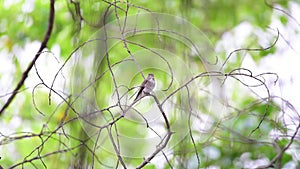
<point>42,47</point>
<point>164,142</point>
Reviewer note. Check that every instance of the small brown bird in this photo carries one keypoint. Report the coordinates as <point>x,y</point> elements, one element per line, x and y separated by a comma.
<point>146,87</point>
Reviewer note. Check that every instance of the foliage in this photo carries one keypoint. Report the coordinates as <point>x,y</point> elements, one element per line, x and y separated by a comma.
<point>76,110</point>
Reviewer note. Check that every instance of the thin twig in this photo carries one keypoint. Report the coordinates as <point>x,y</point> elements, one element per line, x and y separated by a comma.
<point>42,47</point>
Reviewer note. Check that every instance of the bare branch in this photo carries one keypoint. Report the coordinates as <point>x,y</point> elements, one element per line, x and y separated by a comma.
<point>42,47</point>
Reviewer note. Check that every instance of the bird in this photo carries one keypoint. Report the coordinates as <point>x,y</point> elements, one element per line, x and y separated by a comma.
<point>146,87</point>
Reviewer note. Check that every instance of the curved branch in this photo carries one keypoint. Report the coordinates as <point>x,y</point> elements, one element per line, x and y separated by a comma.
<point>37,55</point>
<point>164,142</point>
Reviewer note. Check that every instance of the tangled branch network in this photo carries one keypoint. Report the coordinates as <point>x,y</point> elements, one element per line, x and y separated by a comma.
<point>101,125</point>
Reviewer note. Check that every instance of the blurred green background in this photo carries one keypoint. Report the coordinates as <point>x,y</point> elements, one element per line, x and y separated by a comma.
<point>218,121</point>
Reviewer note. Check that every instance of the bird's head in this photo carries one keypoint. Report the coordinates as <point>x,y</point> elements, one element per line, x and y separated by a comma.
<point>150,75</point>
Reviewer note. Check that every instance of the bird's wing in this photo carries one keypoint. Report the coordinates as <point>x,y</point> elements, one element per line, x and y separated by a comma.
<point>141,89</point>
